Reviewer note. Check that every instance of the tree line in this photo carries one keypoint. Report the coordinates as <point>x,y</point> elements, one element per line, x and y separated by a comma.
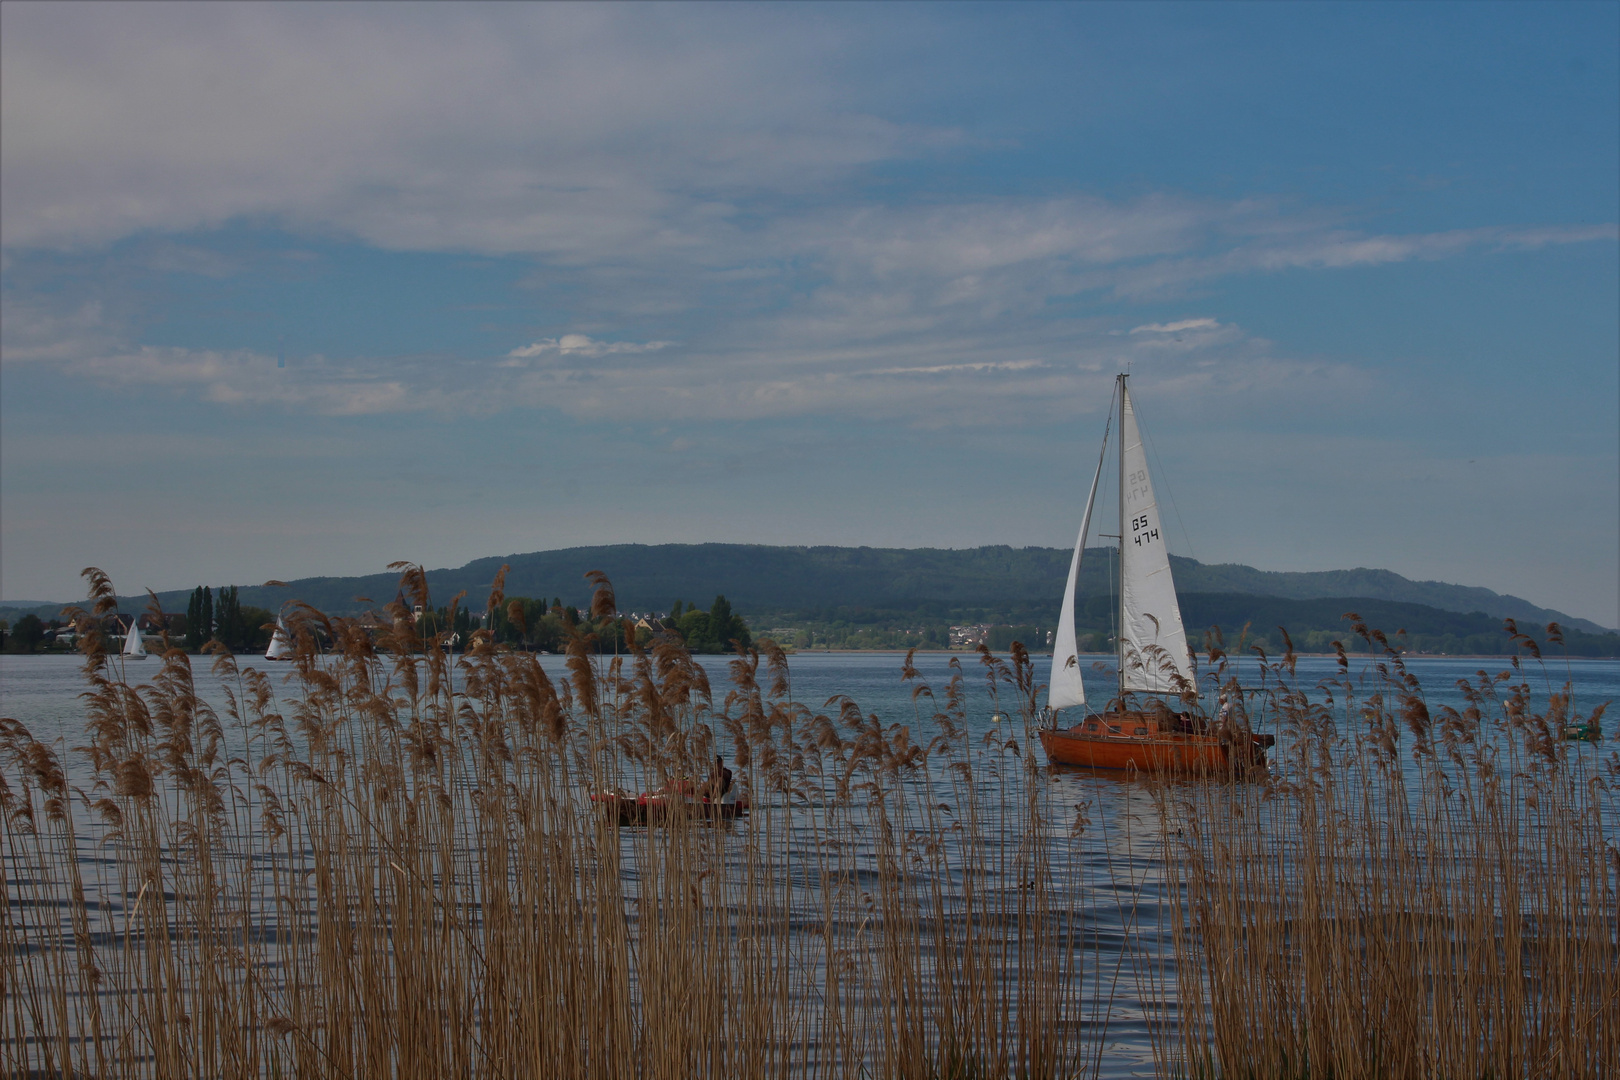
<point>210,616</point>
<point>540,625</point>
<point>224,618</point>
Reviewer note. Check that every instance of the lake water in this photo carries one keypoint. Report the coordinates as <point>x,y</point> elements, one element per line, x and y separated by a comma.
<point>43,691</point>
<point>1118,863</point>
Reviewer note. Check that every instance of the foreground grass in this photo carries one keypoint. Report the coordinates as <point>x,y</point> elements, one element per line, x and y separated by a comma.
<point>397,870</point>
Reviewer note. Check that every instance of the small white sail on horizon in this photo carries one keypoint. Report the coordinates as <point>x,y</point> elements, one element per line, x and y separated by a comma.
<point>134,647</point>
<point>281,647</point>
<point>1065,687</point>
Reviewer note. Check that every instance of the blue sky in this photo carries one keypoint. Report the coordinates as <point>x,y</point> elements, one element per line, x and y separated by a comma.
<point>299,289</point>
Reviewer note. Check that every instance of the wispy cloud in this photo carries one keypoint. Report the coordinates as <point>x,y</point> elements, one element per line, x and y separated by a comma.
<point>583,346</point>
<point>42,331</point>
<point>571,131</point>
<point>945,369</point>
<point>1176,327</point>
<point>697,141</point>
<point>968,380</point>
<point>246,378</point>
<point>1337,249</point>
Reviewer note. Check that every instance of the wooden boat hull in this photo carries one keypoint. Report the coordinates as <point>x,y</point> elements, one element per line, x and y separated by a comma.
<point>641,809</point>
<point>1155,750</point>
<point>1188,753</point>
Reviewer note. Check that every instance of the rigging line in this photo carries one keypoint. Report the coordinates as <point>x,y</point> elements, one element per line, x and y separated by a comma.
<point>1113,581</point>
<point>1113,606</point>
<point>1158,465</point>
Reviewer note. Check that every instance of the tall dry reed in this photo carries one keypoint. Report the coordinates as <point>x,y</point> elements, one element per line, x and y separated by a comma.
<point>392,865</point>
<point>1413,893</point>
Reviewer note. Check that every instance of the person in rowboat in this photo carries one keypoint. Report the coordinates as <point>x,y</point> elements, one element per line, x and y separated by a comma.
<point>718,783</point>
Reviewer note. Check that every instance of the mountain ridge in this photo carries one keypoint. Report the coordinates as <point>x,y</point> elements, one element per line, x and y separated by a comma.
<point>760,579</point>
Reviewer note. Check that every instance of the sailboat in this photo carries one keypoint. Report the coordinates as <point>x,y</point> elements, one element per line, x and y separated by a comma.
<point>281,642</point>
<point>134,647</point>
<point>1151,725</point>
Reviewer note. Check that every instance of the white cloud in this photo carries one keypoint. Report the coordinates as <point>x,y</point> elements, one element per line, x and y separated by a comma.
<point>581,345</point>
<point>33,331</point>
<point>1537,238</point>
<point>943,369</point>
<point>1176,327</point>
<point>944,378</point>
<point>1333,249</point>
<point>247,378</point>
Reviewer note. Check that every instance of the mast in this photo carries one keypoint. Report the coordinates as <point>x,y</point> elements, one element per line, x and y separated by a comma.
<point>1119,634</point>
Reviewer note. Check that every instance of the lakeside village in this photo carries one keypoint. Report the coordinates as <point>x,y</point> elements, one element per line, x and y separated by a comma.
<point>533,625</point>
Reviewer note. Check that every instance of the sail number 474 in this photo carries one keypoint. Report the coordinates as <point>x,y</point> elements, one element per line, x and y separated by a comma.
<point>1142,531</point>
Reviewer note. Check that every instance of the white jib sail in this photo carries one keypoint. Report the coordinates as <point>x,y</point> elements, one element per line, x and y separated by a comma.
<point>134,647</point>
<point>280,642</point>
<point>1155,642</point>
<point>1065,688</point>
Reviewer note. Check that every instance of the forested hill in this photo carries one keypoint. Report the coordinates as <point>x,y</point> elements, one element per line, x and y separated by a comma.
<point>766,582</point>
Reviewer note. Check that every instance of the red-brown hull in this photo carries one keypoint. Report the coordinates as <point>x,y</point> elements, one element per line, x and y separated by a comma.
<point>1152,742</point>
<point>1160,753</point>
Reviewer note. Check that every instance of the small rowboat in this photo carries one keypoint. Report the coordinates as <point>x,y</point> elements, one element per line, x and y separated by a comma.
<point>1152,742</point>
<point>658,806</point>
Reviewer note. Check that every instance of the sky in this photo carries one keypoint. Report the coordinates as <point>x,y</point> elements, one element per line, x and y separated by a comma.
<point>302,289</point>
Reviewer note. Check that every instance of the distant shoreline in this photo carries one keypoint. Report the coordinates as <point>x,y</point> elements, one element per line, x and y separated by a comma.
<point>1504,657</point>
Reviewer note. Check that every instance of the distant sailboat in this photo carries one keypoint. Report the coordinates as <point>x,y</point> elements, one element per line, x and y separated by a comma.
<point>134,647</point>
<point>1152,646</point>
<point>281,643</point>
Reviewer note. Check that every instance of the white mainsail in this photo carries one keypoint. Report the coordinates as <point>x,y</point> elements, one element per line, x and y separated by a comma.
<point>134,647</point>
<point>1153,640</point>
<point>1064,687</point>
<point>280,642</point>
